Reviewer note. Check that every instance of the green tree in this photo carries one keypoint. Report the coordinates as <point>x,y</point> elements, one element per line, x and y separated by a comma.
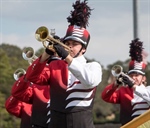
<point>5,72</point>
<point>7,120</point>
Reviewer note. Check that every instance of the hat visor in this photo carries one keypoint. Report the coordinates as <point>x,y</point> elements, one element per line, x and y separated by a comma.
<point>75,39</point>
<point>136,71</point>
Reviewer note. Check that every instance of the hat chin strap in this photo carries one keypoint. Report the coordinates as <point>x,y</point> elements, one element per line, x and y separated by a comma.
<point>78,52</point>
<point>142,82</point>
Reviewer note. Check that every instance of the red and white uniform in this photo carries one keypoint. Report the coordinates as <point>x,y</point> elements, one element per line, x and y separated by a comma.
<point>73,87</point>
<point>36,95</point>
<point>19,109</point>
<point>131,104</point>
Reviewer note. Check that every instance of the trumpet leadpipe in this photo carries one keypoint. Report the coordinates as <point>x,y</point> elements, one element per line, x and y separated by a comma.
<point>57,41</point>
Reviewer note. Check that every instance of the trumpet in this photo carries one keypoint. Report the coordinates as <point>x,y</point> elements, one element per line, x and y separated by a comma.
<point>117,70</point>
<point>42,35</point>
<point>28,54</point>
<point>18,73</point>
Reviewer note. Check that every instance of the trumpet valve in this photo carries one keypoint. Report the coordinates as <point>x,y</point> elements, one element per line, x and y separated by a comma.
<point>50,47</point>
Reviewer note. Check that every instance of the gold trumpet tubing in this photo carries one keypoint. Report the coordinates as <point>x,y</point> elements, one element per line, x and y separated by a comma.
<point>44,44</point>
<point>57,41</point>
<point>50,47</point>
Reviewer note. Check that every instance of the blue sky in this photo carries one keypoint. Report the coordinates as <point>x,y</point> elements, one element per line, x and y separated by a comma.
<point>110,25</point>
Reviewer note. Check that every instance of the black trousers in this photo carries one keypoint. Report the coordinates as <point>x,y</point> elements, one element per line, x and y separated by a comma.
<point>82,119</point>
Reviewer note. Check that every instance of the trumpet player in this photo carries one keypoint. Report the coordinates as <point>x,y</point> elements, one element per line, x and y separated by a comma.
<point>29,102</point>
<point>36,95</point>
<point>134,97</point>
<point>72,80</point>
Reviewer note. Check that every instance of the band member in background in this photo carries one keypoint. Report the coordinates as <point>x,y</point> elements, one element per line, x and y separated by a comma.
<point>26,95</point>
<point>134,97</point>
<point>72,80</point>
<point>36,95</point>
<point>19,109</point>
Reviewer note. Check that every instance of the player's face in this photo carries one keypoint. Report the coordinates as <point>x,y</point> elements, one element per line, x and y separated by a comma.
<point>74,47</point>
<point>138,78</point>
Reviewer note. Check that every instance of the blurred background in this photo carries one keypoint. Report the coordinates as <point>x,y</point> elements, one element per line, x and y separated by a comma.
<point>112,25</point>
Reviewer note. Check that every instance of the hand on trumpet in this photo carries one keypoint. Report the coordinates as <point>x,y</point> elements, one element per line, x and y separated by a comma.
<point>50,49</point>
<point>124,80</point>
<point>56,47</point>
<point>60,50</point>
<point>127,81</point>
<point>121,77</point>
<point>119,80</point>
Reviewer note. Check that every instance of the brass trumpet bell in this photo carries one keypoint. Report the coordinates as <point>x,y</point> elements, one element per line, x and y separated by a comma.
<point>116,70</point>
<point>42,35</point>
<point>18,73</point>
<point>29,54</point>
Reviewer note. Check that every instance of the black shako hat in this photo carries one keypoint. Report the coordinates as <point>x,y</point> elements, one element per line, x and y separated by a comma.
<point>78,20</point>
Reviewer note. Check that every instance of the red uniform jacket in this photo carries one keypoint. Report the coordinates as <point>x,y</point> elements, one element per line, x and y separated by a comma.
<point>130,104</point>
<point>63,98</point>
<point>38,96</point>
<point>19,109</point>
<point>72,90</point>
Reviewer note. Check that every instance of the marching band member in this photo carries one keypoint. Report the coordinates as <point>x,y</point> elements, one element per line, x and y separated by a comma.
<point>29,101</point>
<point>134,97</point>
<point>36,95</point>
<point>19,109</point>
<point>72,80</point>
